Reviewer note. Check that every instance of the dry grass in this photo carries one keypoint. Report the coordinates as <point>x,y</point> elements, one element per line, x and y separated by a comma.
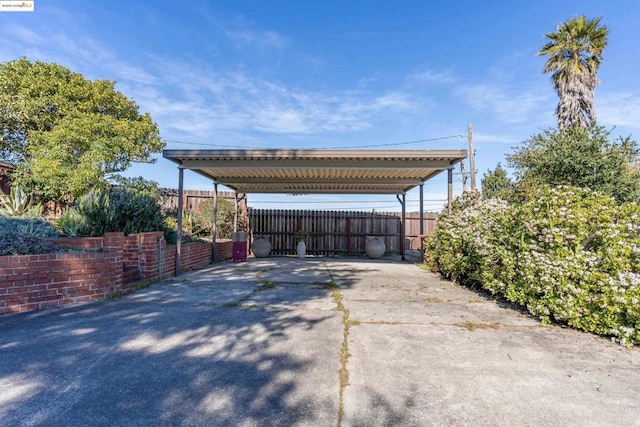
<point>472,326</point>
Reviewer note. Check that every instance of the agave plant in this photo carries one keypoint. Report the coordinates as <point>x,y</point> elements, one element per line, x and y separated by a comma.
<point>18,203</point>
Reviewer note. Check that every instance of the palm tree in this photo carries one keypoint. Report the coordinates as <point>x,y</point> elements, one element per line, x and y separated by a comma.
<point>575,52</point>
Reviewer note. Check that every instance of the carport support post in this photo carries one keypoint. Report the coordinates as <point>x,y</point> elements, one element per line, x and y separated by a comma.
<point>403,221</point>
<point>179,234</point>
<point>214,223</point>
<point>421,216</point>
<point>449,190</point>
<point>235,213</point>
<point>421,210</point>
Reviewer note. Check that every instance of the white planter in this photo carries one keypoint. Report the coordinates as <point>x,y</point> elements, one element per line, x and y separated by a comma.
<point>375,247</point>
<point>261,248</point>
<point>301,249</point>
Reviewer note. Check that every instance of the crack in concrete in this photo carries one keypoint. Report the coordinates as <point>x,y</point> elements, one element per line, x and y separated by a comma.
<point>343,373</point>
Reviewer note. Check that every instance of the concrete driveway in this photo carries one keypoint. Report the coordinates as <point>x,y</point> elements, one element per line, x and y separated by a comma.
<point>319,342</point>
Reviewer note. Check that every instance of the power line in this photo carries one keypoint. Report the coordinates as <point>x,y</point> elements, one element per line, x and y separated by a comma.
<point>420,141</point>
<point>342,202</point>
<point>402,143</point>
<point>203,144</point>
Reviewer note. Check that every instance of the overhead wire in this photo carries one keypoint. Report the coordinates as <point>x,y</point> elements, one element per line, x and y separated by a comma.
<point>420,141</point>
<point>340,202</point>
<point>393,144</point>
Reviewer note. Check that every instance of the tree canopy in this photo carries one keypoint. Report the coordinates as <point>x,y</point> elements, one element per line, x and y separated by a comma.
<point>575,52</point>
<point>66,133</point>
<point>496,183</point>
<point>581,157</point>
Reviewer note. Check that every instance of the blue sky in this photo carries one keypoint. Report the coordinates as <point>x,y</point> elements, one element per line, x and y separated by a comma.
<point>332,74</point>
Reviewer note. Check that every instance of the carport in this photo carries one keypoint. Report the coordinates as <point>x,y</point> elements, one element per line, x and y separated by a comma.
<point>316,171</point>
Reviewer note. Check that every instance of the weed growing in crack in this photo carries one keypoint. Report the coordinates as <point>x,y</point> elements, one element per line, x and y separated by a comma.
<point>343,373</point>
<point>472,326</point>
<point>249,305</point>
<point>231,304</point>
<point>265,284</point>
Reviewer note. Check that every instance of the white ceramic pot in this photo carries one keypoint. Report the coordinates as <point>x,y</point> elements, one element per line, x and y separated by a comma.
<point>375,247</point>
<point>261,248</point>
<point>301,249</point>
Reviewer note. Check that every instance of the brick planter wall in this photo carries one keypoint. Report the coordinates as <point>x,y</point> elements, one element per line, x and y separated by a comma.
<point>29,282</point>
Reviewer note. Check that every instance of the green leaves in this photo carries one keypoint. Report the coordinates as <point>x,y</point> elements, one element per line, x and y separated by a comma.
<point>65,132</point>
<point>566,254</point>
<point>575,52</point>
<point>24,236</point>
<point>18,203</point>
<point>582,157</point>
<point>496,183</point>
<point>106,210</point>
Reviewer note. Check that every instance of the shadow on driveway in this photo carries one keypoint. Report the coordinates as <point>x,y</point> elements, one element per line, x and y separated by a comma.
<point>204,349</point>
<point>263,342</point>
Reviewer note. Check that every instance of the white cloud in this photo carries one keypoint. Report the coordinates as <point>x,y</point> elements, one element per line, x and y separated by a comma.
<point>24,35</point>
<point>515,104</point>
<point>495,138</point>
<point>618,109</point>
<point>197,101</point>
<point>257,39</point>
<point>205,102</point>
<point>432,77</point>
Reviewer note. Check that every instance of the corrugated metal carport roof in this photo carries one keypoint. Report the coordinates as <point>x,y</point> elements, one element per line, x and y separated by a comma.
<point>310,171</point>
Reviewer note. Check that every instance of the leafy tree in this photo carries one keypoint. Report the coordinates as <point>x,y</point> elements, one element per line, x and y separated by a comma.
<point>139,185</point>
<point>66,133</point>
<point>115,209</point>
<point>496,183</point>
<point>581,157</point>
<point>203,216</point>
<point>575,52</point>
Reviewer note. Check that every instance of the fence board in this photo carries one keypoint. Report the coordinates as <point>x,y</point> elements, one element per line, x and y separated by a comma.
<point>336,232</point>
<point>192,198</point>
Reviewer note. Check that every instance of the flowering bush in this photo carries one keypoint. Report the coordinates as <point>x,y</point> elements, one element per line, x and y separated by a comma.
<point>568,255</point>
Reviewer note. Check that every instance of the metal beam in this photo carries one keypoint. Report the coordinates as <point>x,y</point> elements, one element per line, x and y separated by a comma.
<point>330,180</point>
<point>403,223</point>
<point>421,209</point>
<point>235,213</point>
<point>327,190</point>
<point>179,233</point>
<point>449,190</point>
<point>317,164</point>
<point>293,153</point>
<point>214,227</point>
<point>421,221</point>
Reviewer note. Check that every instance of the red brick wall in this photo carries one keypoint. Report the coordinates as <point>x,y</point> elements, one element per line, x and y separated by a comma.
<point>224,250</point>
<point>86,243</point>
<point>130,251</point>
<point>29,282</point>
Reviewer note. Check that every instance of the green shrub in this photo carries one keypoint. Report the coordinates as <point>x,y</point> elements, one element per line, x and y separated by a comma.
<point>32,226</point>
<point>109,210</point>
<point>171,229</point>
<point>198,223</point>
<point>469,240</point>
<point>568,255</point>
<point>584,157</point>
<point>18,203</point>
<point>202,217</point>
<point>25,244</point>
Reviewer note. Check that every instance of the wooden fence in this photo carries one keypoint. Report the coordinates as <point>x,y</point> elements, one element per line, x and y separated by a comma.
<point>335,232</point>
<point>192,198</point>
<point>412,230</point>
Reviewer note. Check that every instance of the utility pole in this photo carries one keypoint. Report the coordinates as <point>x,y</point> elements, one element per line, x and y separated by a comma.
<point>472,158</point>
<point>463,172</point>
